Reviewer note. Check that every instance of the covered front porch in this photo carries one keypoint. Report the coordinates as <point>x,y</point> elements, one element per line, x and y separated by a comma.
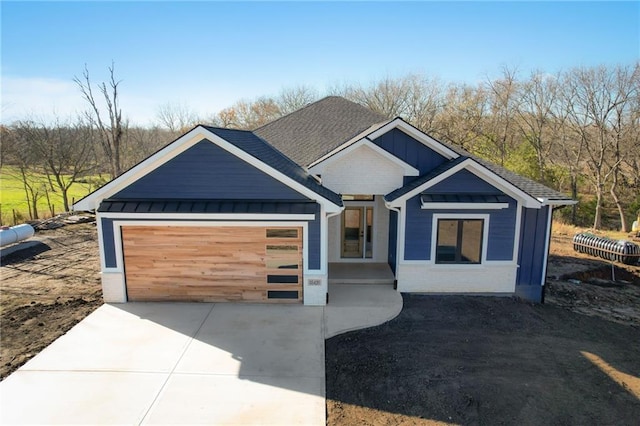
<point>360,273</point>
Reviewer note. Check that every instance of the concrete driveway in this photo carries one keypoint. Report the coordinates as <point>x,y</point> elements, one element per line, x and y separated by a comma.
<point>192,363</point>
<point>177,363</point>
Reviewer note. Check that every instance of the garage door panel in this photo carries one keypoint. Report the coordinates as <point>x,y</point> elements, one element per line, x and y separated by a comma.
<point>201,263</point>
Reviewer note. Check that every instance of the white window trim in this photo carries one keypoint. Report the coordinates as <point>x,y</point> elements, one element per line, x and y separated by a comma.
<point>462,216</point>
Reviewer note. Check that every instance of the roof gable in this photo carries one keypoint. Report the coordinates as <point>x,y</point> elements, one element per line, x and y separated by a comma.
<point>206,171</point>
<point>440,174</point>
<point>241,144</point>
<point>398,123</point>
<point>422,157</point>
<point>353,148</point>
<point>315,130</point>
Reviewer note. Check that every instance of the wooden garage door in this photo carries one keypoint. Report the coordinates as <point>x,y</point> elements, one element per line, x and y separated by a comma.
<point>213,264</point>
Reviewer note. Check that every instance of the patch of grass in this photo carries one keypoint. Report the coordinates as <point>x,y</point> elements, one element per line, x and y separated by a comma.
<point>13,197</point>
<point>560,228</point>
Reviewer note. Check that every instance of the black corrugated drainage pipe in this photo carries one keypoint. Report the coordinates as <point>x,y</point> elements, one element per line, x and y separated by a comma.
<point>615,250</point>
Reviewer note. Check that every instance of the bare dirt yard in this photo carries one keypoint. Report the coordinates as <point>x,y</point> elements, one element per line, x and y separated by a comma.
<point>45,290</point>
<point>483,360</point>
<point>460,360</point>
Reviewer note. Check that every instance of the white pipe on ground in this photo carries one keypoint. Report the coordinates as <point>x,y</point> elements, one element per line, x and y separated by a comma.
<point>15,234</point>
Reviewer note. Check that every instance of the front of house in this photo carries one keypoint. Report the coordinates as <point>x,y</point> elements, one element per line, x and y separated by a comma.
<point>230,215</point>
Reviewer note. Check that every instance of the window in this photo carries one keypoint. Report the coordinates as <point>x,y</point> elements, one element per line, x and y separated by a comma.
<point>282,233</point>
<point>459,241</point>
<point>357,197</point>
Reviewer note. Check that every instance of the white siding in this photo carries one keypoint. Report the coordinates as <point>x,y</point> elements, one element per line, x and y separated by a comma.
<point>429,278</point>
<point>362,171</point>
<point>113,288</point>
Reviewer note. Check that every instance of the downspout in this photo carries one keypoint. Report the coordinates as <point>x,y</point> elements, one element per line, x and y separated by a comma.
<point>329,216</point>
<point>546,253</point>
<point>397,210</point>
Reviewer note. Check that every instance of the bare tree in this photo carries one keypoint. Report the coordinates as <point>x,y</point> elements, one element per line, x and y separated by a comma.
<point>111,132</point>
<point>627,87</point>
<point>63,150</point>
<point>176,117</point>
<point>535,108</point>
<point>25,161</point>
<point>389,96</point>
<point>461,119</point>
<point>596,99</point>
<point>293,99</point>
<point>499,128</point>
<point>249,115</point>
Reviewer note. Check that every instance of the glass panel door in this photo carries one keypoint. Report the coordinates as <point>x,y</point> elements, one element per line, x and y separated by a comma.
<point>352,232</point>
<point>357,232</point>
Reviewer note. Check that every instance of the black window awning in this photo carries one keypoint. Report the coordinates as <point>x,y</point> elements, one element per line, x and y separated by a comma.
<point>464,201</point>
<point>208,206</point>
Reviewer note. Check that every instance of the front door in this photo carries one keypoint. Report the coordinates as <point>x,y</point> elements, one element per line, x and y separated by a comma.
<point>357,230</point>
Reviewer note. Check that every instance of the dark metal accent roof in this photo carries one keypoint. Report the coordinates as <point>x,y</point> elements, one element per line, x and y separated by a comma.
<point>208,206</point>
<point>315,130</point>
<point>463,198</point>
<point>263,151</point>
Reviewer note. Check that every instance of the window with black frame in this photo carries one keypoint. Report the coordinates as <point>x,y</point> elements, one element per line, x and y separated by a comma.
<point>459,241</point>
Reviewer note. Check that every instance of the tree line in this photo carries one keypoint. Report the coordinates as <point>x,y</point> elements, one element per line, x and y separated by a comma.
<point>577,131</point>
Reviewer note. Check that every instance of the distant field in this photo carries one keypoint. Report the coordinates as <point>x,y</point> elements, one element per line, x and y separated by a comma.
<point>12,196</point>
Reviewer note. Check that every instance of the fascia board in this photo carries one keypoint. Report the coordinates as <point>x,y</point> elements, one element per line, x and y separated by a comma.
<point>409,170</point>
<point>548,202</point>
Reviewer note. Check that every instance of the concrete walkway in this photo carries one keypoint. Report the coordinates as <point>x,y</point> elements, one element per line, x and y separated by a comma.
<point>191,363</point>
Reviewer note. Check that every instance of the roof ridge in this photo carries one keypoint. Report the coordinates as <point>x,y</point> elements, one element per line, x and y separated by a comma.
<point>292,112</point>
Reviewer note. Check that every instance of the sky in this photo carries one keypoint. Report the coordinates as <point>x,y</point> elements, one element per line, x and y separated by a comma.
<point>207,55</point>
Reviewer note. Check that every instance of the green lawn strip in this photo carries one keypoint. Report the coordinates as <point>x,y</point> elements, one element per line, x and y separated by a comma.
<point>13,197</point>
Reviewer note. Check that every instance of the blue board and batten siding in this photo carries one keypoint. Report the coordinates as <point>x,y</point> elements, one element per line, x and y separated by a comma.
<point>502,223</point>
<point>206,171</point>
<point>108,243</point>
<point>410,151</point>
<point>532,256</point>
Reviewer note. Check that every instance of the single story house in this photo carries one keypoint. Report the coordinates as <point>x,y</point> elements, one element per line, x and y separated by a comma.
<point>233,215</point>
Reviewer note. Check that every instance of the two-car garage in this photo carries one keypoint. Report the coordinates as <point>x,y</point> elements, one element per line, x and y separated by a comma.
<point>213,263</point>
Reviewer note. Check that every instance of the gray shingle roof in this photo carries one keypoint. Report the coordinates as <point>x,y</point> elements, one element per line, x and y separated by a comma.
<point>531,187</point>
<point>258,148</point>
<point>315,130</point>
